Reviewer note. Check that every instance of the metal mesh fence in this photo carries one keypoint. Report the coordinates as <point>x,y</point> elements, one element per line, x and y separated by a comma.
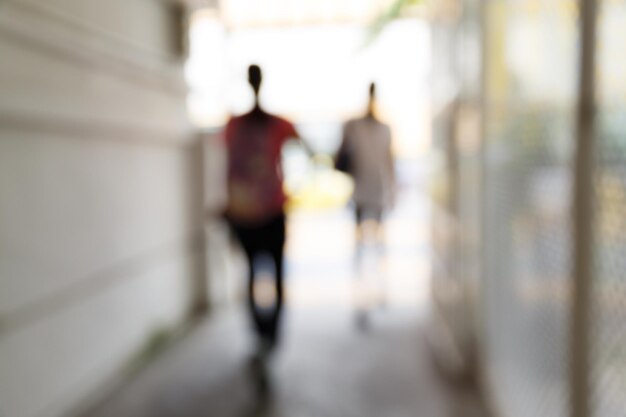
<point>528,178</point>
<point>608,331</point>
<point>527,243</point>
<point>508,218</point>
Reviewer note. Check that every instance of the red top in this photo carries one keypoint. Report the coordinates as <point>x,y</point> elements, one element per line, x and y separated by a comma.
<point>255,179</point>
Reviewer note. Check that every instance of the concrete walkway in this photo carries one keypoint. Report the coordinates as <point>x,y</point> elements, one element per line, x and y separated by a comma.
<point>327,365</point>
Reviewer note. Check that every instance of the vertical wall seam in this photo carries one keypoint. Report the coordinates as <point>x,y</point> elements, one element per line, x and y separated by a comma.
<point>582,224</point>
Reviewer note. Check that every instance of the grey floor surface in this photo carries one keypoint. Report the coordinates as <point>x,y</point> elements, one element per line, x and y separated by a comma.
<point>326,367</point>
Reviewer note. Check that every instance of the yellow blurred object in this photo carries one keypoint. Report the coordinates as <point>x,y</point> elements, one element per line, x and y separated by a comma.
<point>324,189</point>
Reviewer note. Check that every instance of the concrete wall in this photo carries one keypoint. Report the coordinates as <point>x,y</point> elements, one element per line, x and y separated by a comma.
<point>100,179</point>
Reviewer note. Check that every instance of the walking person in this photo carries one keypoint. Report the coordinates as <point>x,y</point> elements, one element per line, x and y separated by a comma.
<point>365,154</point>
<point>255,209</point>
<point>366,148</point>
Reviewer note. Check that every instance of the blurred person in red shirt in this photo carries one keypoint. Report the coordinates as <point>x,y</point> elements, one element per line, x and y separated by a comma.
<point>256,199</point>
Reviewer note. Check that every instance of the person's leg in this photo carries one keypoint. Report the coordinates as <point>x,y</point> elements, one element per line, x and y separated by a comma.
<point>255,315</point>
<point>358,220</point>
<point>358,234</point>
<point>247,239</point>
<point>359,288</point>
<point>379,229</point>
<point>381,255</point>
<point>276,245</point>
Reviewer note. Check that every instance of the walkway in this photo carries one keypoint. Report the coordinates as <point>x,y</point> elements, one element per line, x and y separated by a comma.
<point>327,366</point>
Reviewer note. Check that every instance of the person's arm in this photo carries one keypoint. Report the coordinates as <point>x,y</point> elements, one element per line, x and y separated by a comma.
<point>220,147</point>
<point>390,165</point>
<point>344,139</point>
<point>391,169</point>
<point>292,134</point>
<point>307,148</point>
<point>341,159</point>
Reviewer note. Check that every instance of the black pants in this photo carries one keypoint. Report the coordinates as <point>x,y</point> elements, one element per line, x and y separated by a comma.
<point>362,213</point>
<point>267,238</point>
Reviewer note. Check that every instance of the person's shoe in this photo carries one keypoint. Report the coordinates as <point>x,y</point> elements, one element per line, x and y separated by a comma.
<point>259,373</point>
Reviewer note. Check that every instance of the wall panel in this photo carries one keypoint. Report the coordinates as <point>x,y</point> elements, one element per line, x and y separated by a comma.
<point>100,197</point>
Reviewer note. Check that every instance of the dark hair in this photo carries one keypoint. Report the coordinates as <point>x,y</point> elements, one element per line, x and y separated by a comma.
<point>255,76</point>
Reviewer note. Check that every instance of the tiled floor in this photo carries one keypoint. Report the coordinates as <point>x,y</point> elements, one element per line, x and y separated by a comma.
<point>327,365</point>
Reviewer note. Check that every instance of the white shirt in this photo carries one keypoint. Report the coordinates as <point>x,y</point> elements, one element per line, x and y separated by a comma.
<point>368,143</point>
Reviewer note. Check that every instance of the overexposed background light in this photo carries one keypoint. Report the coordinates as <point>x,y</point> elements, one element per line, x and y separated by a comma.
<point>318,58</point>
<point>316,74</point>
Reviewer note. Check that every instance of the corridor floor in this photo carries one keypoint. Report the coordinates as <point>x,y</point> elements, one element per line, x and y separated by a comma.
<point>335,359</point>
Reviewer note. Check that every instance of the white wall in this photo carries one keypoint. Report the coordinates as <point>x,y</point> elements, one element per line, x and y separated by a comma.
<point>100,179</point>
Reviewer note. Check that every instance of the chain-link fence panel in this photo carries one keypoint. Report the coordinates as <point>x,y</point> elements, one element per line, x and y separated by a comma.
<point>608,331</point>
<point>530,132</point>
